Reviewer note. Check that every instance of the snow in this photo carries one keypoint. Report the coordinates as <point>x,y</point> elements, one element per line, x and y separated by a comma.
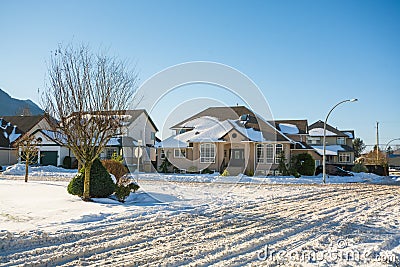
<point>114,141</point>
<point>208,129</point>
<point>331,150</point>
<point>349,134</point>
<point>320,132</point>
<point>288,128</point>
<point>55,135</point>
<point>13,135</point>
<point>203,220</point>
<point>40,171</point>
<point>208,133</point>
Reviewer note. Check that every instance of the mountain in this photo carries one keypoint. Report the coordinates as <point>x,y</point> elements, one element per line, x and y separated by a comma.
<point>10,106</point>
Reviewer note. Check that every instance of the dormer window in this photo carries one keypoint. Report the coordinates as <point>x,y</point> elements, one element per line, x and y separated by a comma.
<point>340,141</point>
<point>244,117</point>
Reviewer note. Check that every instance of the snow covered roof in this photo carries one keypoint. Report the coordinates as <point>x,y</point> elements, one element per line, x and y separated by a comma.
<point>127,116</point>
<point>209,129</point>
<point>291,126</point>
<point>124,141</point>
<point>349,134</point>
<point>9,133</point>
<point>317,129</point>
<point>243,115</point>
<point>24,123</point>
<point>288,128</point>
<point>331,150</point>
<point>320,132</point>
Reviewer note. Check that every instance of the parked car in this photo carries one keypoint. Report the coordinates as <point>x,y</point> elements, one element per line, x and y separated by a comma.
<point>333,170</point>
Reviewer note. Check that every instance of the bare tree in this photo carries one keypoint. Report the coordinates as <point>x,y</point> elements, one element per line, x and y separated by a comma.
<point>88,94</point>
<point>28,147</point>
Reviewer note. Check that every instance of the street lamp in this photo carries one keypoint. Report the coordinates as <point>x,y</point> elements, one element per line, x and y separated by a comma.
<point>324,144</point>
<point>386,147</point>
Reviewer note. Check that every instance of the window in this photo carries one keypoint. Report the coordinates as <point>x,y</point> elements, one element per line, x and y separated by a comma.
<point>278,152</point>
<point>317,163</point>
<point>270,153</point>
<point>237,154</point>
<point>340,141</point>
<point>153,136</point>
<point>207,153</point>
<point>179,153</point>
<point>110,152</point>
<point>314,140</point>
<point>260,153</point>
<point>344,157</point>
<point>162,155</point>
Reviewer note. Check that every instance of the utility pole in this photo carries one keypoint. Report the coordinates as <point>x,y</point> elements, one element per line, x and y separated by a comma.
<point>377,142</point>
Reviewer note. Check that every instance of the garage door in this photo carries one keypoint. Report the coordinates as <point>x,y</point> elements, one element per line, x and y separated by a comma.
<point>48,158</point>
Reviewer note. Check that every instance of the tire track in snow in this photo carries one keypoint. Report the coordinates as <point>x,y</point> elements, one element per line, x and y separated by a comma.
<point>229,234</point>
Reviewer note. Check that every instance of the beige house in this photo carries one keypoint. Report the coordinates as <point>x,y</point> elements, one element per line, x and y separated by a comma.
<point>9,133</point>
<point>225,138</point>
<point>137,130</point>
<point>339,144</point>
<point>14,127</point>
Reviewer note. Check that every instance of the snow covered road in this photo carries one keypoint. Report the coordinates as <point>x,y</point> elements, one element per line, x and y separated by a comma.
<point>222,225</point>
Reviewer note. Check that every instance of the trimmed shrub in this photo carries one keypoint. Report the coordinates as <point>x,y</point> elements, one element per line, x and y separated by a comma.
<point>303,164</point>
<point>164,167</point>
<point>192,169</point>
<point>122,192</point>
<point>282,167</point>
<point>101,184</point>
<point>75,186</point>
<point>124,188</point>
<point>134,187</point>
<point>116,168</point>
<point>359,167</point>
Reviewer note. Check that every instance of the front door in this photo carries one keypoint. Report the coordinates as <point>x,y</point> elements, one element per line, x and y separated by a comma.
<point>237,158</point>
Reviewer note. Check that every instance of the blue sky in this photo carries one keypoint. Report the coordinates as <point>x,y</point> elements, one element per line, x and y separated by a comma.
<point>305,56</point>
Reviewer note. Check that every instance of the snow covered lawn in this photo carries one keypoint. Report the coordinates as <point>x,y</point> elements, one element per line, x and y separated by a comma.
<point>197,224</point>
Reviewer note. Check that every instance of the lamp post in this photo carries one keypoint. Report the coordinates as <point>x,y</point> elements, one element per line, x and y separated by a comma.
<point>386,147</point>
<point>324,144</point>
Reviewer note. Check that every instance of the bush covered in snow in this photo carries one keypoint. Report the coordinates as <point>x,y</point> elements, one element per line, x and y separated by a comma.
<point>122,192</point>
<point>101,184</point>
<point>124,188</point>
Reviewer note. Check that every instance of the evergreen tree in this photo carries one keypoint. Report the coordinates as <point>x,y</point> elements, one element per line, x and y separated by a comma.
<point>282,168</point>
<point>358,146</point>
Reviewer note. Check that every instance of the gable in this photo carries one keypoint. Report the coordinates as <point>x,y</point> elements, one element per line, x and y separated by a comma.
<point>317,129</point>
<point>47,137</point>
<point>220,113</point>
<point>28,123</point>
